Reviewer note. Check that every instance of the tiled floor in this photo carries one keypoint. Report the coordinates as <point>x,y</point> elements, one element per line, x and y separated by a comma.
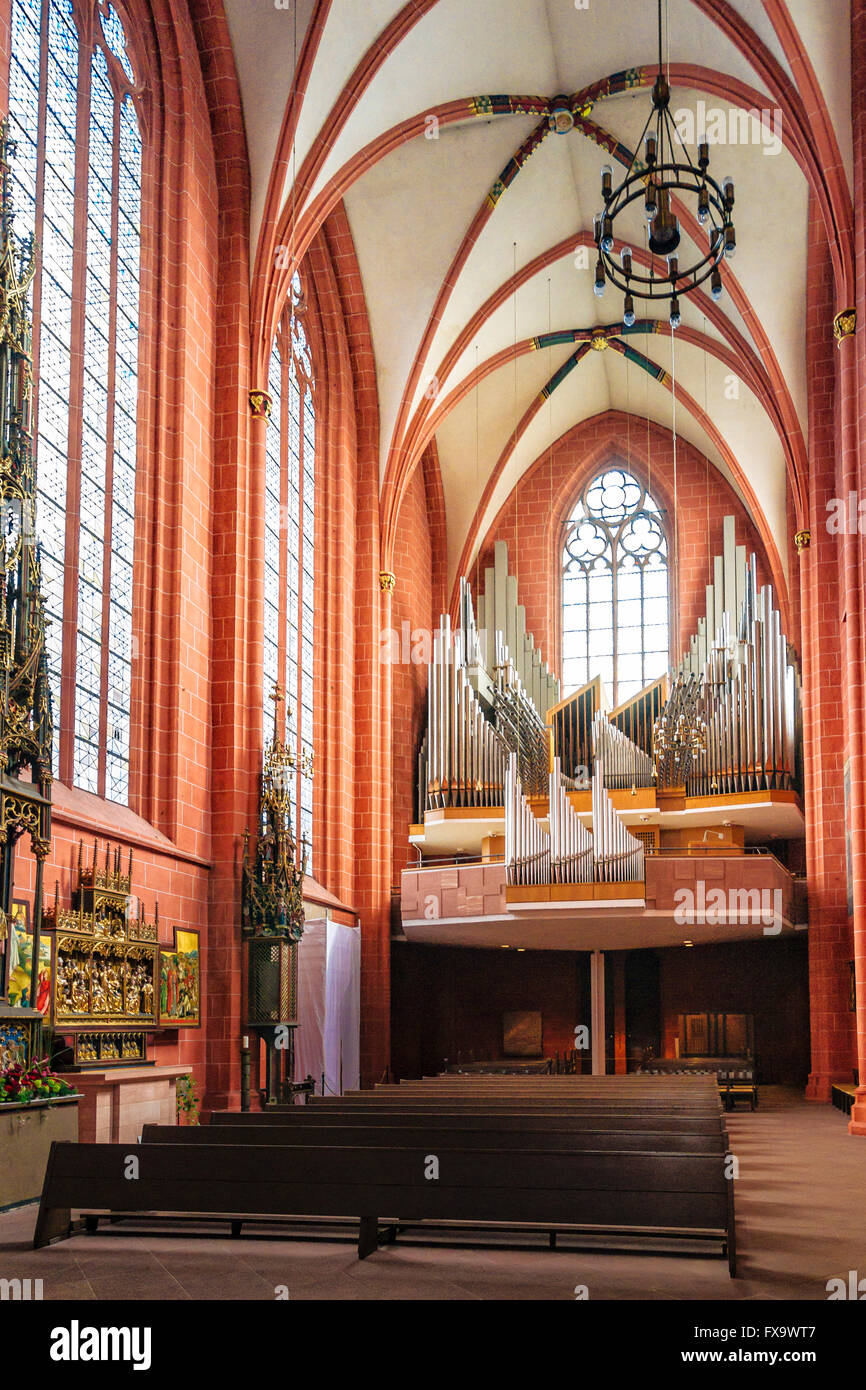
<point>801,1220</point>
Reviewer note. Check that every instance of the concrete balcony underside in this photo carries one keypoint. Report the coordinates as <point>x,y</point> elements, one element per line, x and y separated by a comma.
<point>684,898</point>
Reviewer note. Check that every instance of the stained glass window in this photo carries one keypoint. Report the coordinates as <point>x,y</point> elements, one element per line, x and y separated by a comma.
<point>290,478</point>
<point>614,588</point>
<point>62,98</point>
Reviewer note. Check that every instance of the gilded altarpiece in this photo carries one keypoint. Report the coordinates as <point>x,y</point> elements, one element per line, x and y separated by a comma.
<point>105,987</point>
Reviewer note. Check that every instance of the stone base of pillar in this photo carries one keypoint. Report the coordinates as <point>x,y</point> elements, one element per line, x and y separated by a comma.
<point>223,1100</point>
<point>819,1084</point>
<point>857,1123</point>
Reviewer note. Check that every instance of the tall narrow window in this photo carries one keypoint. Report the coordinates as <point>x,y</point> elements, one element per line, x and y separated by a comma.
<point>72,95</point>
<point>289,549</point>
<point>614,588</point>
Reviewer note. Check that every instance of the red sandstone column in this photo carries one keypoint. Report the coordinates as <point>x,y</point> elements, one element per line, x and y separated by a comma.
<point>619,1016</point>
<point>373,837</point>
<point>823,704</point>
<point>853,379</point>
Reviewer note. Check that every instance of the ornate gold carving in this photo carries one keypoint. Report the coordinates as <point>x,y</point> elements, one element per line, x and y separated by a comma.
<point>387,581</point>
<point>599,340</point>
<point>802,541</point>
<point>97,1049</point>
<point>261,405</point>
<point>106,959</point>
<point>273,903</point>
<point>26,725</point>
<point>844,324</point>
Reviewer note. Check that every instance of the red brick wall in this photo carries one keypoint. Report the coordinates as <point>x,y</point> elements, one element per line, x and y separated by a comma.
<point>411,612</point>
<point>531,517</point>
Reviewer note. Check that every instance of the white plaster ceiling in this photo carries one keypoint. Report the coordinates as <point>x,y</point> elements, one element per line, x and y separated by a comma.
<point>410,210</point>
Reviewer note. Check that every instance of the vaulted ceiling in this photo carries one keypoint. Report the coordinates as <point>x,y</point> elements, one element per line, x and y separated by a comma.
<point>413,113</point>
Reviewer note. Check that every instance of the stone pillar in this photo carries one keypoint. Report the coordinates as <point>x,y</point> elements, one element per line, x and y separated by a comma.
<point>823,704</point>
<point>853,387</point>
<point>596,979</point>
<point>619,1015</point>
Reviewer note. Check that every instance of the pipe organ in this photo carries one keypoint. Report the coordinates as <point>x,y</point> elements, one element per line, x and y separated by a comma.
<point>571,855</point>
<point>725,721</point>
<point>733,721</point>
<point>463,758</point>
<point>501,616</point>
<point>619,856</point>
<point>488,692</point>
<point>625,765</point>
<point>567,852</point>
<point>527,843</point>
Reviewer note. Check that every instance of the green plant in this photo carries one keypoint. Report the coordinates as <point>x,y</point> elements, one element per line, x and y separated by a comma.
<point>20,1085</point>
<point>187,1101</point>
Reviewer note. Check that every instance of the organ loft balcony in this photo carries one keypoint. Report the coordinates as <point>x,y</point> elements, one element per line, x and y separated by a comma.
<point>697,896</point>
<point>714,869</point>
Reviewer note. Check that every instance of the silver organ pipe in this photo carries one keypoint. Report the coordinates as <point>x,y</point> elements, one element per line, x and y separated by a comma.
<point>527,843</point>
<point>465,756</point>
<point>625,765</point>
<point>737,680</point>
<point>571,858</point>
<point>488,691</point>
<point>619,856</point>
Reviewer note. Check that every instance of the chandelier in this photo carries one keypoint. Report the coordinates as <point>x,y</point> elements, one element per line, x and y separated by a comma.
<point>679,734</point>
<point>655,180</point>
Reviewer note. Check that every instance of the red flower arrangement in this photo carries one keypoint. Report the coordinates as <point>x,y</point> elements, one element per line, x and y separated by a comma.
<point>20,1085</point>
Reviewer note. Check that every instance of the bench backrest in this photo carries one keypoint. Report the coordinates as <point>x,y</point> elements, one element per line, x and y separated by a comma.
<point>646,1191</point>
<point>434,1139</point>
<point>479,1118</point>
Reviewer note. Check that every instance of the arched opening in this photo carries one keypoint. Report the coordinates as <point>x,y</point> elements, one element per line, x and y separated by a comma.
<point>615,587</point>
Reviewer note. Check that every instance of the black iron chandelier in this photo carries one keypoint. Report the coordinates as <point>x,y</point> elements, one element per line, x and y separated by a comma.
<point>655,180</point>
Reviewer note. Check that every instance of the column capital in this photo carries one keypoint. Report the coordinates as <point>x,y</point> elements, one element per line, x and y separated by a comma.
<point>387,581</point>
<point>844,324</point>
<point>802,541</point>
<point>261,404</point>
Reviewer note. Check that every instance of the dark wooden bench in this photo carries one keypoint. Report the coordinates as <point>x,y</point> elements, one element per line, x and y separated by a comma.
<point>608,1194</point>
<point>622,1121</point>
<point>388,1134</point>
<point>502,1106</point>
<point>735,1077</point>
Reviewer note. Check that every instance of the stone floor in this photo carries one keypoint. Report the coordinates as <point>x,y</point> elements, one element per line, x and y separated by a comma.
<point>801,1220</point>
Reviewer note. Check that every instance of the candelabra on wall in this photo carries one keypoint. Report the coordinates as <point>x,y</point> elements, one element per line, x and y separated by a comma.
<point>273,922</point>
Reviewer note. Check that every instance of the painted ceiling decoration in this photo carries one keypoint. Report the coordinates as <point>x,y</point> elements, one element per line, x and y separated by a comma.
<point>472,220</point>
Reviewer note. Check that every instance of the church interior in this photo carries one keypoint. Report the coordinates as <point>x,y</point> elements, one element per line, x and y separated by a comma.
<point>433,716</point>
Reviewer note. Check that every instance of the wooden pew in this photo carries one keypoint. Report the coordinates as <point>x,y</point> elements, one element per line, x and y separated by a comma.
<point>390,1134</point>
<point>736,1077</point>
<point>603,1193</point>
<point>502,1106</point>
<point>620,1121</point>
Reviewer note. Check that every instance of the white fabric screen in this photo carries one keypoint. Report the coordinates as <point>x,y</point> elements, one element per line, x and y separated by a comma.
<point>310,1033</point>
<point>329,1006</point>
<point>343,1009</point>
